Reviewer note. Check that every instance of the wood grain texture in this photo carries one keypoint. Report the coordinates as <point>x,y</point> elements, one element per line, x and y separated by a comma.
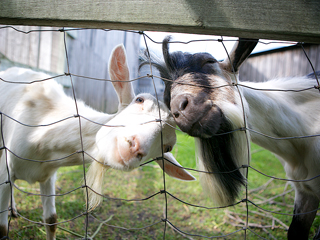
<point>295,20</point>
<point>280,63</point>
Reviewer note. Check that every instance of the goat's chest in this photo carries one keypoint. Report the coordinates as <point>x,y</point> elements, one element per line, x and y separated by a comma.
<point>30,171</point>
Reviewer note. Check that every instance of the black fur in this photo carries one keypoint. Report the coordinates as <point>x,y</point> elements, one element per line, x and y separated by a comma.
<point>218,159</point>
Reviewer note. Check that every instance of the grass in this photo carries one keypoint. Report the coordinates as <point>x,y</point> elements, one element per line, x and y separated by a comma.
<point>119,219</point>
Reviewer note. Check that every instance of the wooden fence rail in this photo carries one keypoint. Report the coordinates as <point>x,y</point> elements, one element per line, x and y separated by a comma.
<point>293,20</point>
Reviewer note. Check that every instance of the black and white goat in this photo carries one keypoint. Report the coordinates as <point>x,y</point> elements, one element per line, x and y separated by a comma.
<point>208,103</point>
<point>121,141</point>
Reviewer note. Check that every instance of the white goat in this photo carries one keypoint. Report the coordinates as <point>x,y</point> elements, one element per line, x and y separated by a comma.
<point>124,146</point>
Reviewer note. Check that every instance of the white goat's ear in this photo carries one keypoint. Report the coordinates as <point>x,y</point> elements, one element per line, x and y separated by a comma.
<point>119,74</point>
<point>173,168</point>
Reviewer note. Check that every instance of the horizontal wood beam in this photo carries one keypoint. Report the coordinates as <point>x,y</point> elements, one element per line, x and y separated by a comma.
<point>294,20</point>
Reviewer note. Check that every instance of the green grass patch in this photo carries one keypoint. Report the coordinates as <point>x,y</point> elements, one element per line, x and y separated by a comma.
<point>120,219</point>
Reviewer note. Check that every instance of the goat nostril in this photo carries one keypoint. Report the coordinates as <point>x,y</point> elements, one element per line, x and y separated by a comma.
<point>183,104</point>
<point>130,142</point>
<point>140,156</point>
<point>178,105</point>
<point>167,149</point>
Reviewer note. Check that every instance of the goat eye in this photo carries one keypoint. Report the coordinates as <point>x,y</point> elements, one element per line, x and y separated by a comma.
<point>139,100</point>
<point>210,61</point>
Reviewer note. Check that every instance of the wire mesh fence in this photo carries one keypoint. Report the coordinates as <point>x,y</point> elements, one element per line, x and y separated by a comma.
<point>165,209</point>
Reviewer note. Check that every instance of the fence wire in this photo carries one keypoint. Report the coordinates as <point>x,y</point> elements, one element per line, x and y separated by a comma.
<point>245,227</point>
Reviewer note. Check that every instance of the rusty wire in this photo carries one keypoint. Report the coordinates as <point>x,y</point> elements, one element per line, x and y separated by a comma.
<point>163,191</point>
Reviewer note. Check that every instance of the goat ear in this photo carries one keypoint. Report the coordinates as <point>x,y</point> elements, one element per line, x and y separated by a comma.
<point>240,52</point>
<point>119,74</point>
<point>171,167</point>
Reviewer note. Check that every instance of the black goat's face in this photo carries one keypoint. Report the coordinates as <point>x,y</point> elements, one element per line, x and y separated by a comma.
<point>198,100</point>
<point>200,91</point>
<point>199,86</point>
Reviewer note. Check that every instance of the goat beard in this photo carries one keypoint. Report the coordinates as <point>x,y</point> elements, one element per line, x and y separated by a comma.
<point>94,180</point>
<point>222,158</point>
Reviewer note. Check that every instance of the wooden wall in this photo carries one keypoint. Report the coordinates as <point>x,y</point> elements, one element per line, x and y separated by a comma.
<point>285,62</point>
<point>42,49</point>
<point>88,55</point>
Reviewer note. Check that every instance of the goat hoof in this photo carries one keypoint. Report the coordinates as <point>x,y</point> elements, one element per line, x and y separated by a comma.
<point>14,213</point>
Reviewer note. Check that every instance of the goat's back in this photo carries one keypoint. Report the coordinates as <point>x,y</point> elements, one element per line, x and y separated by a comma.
<point>19,93</point>
<point>26,105</point>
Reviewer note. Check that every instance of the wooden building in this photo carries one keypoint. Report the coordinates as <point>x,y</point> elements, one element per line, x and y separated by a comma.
<point>282,62</point>
<point>43,48</point>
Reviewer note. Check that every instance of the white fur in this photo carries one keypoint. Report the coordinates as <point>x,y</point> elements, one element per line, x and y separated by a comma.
<point>288,114</point>
<point>280,115</point>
